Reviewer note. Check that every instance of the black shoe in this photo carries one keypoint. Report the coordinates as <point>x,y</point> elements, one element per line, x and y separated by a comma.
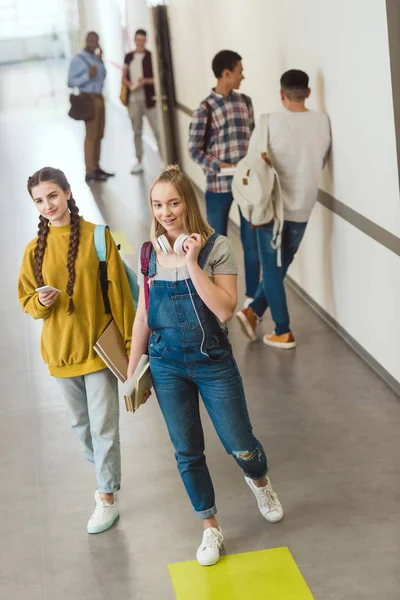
<point>95,177</point>
<point>101,172</point>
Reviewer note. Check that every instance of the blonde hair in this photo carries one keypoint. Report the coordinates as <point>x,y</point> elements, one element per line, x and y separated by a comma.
<point>192,218</point>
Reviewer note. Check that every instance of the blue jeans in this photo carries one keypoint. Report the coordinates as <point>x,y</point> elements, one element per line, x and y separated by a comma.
<point>182,366</point>
<point>218,207</point>
<point>271,291</point>
<point>178,377</point>
<point>94,409</point>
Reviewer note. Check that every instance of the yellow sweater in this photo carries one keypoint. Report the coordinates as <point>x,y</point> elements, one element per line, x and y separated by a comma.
<point>67,340</point>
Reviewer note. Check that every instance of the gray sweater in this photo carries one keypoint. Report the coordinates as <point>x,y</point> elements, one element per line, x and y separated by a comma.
<point>299,144</point>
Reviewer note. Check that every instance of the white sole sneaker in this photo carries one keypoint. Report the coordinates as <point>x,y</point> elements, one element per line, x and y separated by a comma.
<point>208,552</point>
<point>267,500</point>
<point>283,346</point>
<point>104,515</point>
<point>246,327</point>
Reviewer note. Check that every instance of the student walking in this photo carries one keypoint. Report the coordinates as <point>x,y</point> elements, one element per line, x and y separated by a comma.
<point>192,293</point>
<point>299,144</point>
<point>218,138</point>
<point>63,256</point>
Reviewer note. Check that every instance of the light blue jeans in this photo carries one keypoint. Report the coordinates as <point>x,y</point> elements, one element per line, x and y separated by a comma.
<point>94,408</point>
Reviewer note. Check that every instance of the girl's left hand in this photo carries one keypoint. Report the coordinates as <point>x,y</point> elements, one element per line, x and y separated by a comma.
<point>192,247</point>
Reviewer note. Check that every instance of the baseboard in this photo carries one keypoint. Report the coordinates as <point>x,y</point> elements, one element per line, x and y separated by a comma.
<point>354,345</point>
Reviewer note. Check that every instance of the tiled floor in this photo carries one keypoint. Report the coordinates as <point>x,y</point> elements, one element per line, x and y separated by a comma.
<point>329,424</point>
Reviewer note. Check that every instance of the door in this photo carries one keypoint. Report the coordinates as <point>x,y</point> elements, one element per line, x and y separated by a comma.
<point>164,83</point>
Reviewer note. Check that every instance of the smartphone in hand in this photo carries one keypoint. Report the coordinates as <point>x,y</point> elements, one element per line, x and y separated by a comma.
<point>46,288</point>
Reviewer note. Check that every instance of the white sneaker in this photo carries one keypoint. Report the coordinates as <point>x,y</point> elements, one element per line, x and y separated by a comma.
<point>104,515</point>
<point>136,169</point>
<point>208,551</point>
<point>267,500</point>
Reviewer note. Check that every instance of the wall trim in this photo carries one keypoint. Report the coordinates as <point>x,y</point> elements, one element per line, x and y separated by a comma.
<point>354,345</point>
<point>184,109</point>
<point>378,234</point>
<point>341,331</point>
<point>371,229</point>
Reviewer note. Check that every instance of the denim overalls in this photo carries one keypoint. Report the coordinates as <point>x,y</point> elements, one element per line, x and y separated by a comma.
<point>180,371</point>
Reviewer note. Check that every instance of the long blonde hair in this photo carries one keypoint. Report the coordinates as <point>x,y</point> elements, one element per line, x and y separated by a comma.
<point>192,218</point>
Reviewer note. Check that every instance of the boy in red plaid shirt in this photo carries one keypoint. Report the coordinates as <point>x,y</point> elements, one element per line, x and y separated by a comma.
<point>218,138</point>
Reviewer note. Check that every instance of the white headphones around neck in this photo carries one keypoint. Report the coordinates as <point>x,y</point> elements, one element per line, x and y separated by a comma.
<point>165,247</point>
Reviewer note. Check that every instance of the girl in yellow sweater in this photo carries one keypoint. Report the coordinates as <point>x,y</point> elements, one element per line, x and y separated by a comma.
<point>63,256</point>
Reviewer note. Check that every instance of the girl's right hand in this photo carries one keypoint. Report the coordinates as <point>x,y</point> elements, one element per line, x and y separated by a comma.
<point>131,369</point>
<point>48,298</point>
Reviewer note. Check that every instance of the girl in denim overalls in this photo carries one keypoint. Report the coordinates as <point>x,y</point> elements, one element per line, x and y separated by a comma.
<point>190,297</point>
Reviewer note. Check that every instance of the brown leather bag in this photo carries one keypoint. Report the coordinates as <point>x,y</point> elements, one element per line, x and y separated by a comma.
<point>82,107</point>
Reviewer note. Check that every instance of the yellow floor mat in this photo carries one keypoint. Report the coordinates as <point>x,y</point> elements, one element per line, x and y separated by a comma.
<point>264,574</point>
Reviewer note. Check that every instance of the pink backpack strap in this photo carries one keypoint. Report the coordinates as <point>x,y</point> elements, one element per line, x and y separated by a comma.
<point>145,255</point>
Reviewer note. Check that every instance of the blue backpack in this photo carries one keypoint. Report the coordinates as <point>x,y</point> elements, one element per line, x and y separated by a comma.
<point>101,251</point>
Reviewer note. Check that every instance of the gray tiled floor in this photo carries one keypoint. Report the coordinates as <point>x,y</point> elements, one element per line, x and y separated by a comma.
<point>330,426</point>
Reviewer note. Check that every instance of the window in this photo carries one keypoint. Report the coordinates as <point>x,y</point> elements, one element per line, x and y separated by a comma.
<point>28,18</point>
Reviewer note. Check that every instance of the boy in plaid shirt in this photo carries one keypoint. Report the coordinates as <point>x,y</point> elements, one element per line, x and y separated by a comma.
<point>218,138</point>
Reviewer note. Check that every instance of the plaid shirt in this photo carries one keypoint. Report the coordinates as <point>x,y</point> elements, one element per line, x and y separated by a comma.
<point>231,126</point>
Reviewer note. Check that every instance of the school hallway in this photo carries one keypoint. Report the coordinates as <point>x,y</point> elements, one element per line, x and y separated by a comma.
<point>329,424</point>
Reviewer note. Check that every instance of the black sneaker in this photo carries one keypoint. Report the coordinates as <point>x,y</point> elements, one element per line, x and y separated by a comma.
<point>101,172</point>
<point>95,177</point>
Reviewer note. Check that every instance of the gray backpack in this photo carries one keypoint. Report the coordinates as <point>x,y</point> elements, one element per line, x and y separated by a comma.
<point>256,187</point>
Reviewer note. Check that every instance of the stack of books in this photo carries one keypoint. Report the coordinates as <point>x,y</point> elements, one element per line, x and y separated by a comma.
<point>111,348</point>
<point>134,389</point>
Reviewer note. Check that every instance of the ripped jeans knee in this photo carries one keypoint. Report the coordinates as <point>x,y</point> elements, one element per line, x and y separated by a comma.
<point>252,462</point>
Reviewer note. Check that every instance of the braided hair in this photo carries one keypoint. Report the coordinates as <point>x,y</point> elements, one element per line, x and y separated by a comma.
<point>58,177</point>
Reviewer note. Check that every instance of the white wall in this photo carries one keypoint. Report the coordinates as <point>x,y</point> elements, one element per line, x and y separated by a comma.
<point>343,45</point>
<point>138,17</point>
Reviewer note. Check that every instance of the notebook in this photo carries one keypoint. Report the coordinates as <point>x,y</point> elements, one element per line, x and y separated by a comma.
<point>226,171</point>
<point>134,389</point>
<point>111,348</point>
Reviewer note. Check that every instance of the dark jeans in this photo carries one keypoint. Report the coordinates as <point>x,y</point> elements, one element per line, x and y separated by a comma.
<point>218,206</point>
<point>271,291</point>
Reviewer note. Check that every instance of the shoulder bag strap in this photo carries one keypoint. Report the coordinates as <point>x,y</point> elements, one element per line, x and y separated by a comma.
<point>207,131</point>
<point>145,255</point>
<point>264,138</point>
<point>264,132</point>
<point>247,100</point>
<point>85,60</point>
<point>101,252</point>
<point>205,252</point>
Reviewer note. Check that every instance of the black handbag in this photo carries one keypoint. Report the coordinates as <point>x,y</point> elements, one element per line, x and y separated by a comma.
<point>82,107</point>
